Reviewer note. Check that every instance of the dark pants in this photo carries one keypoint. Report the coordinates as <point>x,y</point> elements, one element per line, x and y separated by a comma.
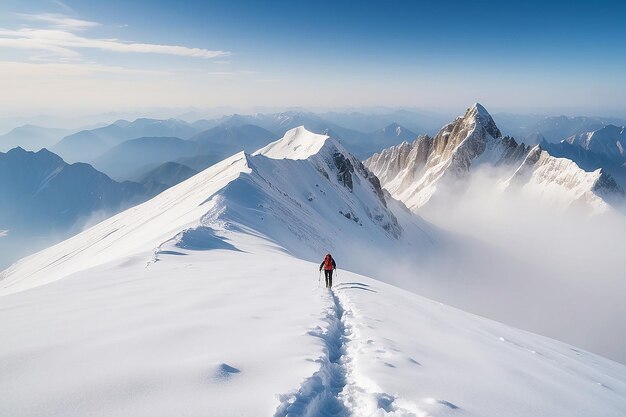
<point>328,273</point>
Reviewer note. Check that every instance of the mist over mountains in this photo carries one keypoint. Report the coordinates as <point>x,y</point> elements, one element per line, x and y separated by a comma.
<point>46,199</point>
<point>470,217</point>
<point>559,221</point>
<point>312,209</point>
<point>278,209</point>
<point>431,168</point>
<point>160,153</point>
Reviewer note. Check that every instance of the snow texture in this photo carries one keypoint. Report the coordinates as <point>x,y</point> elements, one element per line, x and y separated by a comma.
<point>199,302</point>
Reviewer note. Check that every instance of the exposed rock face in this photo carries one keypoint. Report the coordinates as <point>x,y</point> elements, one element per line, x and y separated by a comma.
<point>362,194</point>
<point>412,172</point>
<point>345,169</point>
<point>348,170</point>
<point>416,172</point>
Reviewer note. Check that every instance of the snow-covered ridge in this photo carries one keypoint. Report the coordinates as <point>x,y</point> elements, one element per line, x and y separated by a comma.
<point>305,192</point>
<point>128,233</point>
<point>562,183</point>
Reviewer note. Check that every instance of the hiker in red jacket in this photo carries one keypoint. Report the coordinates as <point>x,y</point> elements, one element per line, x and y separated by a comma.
<point>329,265</point>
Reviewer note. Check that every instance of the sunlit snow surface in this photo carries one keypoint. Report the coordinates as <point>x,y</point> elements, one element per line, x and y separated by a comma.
<point>198,303</point>
<point>248,332</point>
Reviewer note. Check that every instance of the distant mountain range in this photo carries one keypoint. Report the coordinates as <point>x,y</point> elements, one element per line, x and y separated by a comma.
<point>604,148</point>
<point>46,199</point>
<point>87,145</point>
<point>133,158</point>
<point>127,150</point>
<point>552,129</point>
<point>215,139</point>
<point>32,138</point>
<point>167,174</point>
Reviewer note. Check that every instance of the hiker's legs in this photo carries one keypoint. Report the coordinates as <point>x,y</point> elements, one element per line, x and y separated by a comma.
<point>328,276</point>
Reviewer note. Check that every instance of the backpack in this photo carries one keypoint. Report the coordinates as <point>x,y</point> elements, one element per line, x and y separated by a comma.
<point>328,263</point>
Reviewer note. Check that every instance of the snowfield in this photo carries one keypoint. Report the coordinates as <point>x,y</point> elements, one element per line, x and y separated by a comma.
<point>248,332</point>
<point>206,301</point>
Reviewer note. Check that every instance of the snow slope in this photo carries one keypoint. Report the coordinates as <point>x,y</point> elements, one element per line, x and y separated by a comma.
<point>201,301</point>
<point>245,330</point>
<point>562,183</point>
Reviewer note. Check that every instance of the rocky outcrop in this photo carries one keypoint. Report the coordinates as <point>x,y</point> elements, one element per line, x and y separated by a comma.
<point>415,173</point>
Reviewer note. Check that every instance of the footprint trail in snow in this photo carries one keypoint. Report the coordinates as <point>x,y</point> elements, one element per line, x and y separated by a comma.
<point>332,390</point>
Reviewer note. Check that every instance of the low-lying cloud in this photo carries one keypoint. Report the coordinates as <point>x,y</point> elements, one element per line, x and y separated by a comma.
<point>552,271</point>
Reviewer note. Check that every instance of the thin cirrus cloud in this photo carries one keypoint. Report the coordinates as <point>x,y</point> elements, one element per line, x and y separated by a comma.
<point>59,41</point>
<point>59,21</point>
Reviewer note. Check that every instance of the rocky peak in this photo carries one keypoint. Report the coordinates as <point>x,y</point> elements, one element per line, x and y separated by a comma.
<point>479,115</point>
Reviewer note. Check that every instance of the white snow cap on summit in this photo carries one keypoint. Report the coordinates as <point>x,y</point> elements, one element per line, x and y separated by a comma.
<point>480,109</point>
<point>480,114</point>
<point>298,143</point>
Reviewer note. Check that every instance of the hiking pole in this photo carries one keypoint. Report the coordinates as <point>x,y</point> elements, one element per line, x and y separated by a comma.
<point>319,280</point>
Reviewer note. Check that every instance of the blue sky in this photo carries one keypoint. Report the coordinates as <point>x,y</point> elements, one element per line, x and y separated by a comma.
<point>107,55</point>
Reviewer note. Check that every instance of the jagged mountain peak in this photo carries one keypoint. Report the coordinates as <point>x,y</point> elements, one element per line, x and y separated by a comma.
<point>479,114</point>
<point>411,172</point>
<point>414,173</point>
